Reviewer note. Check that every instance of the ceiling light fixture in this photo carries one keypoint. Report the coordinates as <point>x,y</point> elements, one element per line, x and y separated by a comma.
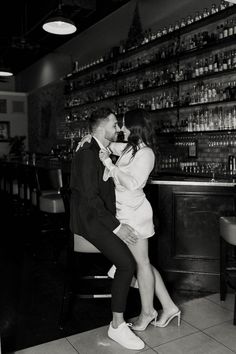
<point>4,71</point>
<point>233,1</point>
<point>59,24</point>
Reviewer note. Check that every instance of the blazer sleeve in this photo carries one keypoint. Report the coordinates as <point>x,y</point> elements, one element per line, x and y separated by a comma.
<point>85,180</point>
<point>141,167</point>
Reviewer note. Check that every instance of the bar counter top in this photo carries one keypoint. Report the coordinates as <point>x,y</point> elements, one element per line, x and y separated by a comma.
<point>192,181</point>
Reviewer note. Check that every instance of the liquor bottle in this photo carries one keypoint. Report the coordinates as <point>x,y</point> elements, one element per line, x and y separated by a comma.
<point>216,64</point>
<point>197,16</point>
<point>221,31</point>
<point>222,5</point>
<point>214,9</point>
<point>225,63</point>
<point>205,12</point>
<point>197,73</point>
<point>231,28</point>
<point>201,67</point>
<point>234,59</point>
<point>211,64</point>
<point>226,29</point>
<point>171,28</point>
<point>234,25</point>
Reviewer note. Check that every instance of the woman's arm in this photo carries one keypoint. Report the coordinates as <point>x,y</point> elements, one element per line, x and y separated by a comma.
<point>142,166</point>
<point>117,148</point>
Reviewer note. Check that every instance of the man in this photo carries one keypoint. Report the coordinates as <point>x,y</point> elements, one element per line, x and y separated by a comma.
<point>93,213</point>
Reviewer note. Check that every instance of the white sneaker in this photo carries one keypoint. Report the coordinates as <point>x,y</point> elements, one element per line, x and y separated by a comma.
<point>125,337</point>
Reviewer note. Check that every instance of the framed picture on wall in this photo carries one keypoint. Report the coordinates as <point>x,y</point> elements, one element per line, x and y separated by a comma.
<point>4,131</point>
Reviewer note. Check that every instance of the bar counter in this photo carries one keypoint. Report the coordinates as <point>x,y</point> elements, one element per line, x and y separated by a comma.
<point>193,181</point>
<point>186,216</point>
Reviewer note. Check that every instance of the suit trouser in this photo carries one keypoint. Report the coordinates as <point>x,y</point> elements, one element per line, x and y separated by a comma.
<point>119,254</point>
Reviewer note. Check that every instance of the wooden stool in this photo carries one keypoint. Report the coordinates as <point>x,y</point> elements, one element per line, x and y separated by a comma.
<point>227,241</point>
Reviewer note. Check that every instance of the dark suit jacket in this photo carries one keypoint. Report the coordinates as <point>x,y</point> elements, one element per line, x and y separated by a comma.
<point>92,206</point>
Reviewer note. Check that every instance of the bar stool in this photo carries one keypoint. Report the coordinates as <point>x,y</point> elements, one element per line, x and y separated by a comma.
<point>77,247</point>
<point>227,241</point>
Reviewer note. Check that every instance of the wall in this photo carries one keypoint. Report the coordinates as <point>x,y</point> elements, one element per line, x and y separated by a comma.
<point>7,84</point>
<point>46,109</point>
<point>17,116</point>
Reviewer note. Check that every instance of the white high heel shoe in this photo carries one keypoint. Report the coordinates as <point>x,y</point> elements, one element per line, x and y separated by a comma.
<point>170,318</point>
<point>146,322</point>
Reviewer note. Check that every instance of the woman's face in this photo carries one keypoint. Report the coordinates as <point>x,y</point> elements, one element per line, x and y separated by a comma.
<point>125,130</point>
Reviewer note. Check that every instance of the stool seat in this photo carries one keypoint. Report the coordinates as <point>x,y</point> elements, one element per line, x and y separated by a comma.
<point>228,229</point>
<point>83,245</point>
<point>51,203</point>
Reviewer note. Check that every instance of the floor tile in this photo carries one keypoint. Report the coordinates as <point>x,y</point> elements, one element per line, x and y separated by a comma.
<point>197,343</point>
<point>202,313</point>
<point>227,304</point>
<point>154,336</point>
<point>60,346</point>
<point>224,333</point>
<point>97,341</point>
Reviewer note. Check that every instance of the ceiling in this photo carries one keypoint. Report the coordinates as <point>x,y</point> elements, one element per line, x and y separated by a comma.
<point>22,39</point>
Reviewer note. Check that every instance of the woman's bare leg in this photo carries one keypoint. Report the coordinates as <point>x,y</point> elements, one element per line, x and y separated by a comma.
<point>145,279</point>
<point>162,294</point>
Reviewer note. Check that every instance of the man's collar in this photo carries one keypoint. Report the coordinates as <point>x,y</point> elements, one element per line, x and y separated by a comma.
<point>99,143</point>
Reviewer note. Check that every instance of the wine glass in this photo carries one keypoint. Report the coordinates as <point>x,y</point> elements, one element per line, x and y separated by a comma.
<point>213,168</point>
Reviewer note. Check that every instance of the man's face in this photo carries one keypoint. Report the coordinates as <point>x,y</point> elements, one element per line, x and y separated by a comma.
<point>111,128</point>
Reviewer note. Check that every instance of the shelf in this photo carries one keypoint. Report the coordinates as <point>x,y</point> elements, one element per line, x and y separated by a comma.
<point>208,76</point>
<point>221,15</point>
<point>163,63</point>
<point>216,103</point>
<point>197,133</point>
<point>137,92</point>
<point>207,48</point>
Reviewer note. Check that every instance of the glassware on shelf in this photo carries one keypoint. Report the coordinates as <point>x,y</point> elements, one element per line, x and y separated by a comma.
<point>213,167</point>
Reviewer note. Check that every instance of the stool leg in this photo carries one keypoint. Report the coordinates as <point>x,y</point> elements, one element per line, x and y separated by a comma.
<point>223,284</point>
<point>235,308</point>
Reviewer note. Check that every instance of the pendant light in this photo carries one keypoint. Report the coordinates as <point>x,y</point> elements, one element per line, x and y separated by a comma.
<point>5,72</point>
<point>59,24</point>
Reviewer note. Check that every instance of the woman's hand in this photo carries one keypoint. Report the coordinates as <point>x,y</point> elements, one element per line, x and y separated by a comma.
<point>85,139</point>
<point>103,155</point>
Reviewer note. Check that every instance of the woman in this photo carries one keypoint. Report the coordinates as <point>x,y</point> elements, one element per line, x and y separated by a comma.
<point>130,174</point>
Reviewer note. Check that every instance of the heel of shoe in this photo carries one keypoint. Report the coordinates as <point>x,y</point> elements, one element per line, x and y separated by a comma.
<point>179,318</point>
<point>155,318</point>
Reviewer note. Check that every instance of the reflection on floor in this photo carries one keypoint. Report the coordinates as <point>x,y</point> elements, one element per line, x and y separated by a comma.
<point>31,296</point>
<point>206,328</point>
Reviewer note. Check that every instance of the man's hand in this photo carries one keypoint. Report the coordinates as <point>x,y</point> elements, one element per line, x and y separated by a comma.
<point>127,234</point>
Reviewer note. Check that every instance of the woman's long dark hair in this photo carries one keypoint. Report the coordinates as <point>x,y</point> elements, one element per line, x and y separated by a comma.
<point>138,121</point>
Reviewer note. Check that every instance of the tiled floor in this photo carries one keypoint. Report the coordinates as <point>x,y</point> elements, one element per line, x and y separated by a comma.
<point>206,327</point>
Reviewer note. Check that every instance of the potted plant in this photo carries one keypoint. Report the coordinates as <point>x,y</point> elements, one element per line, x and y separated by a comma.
<point>17,145</point>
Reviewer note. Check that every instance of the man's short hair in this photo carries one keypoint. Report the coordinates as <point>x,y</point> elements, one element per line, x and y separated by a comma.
<point>97,116</point>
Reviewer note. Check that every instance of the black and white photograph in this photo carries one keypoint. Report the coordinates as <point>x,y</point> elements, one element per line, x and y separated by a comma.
<point>118,177</point>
